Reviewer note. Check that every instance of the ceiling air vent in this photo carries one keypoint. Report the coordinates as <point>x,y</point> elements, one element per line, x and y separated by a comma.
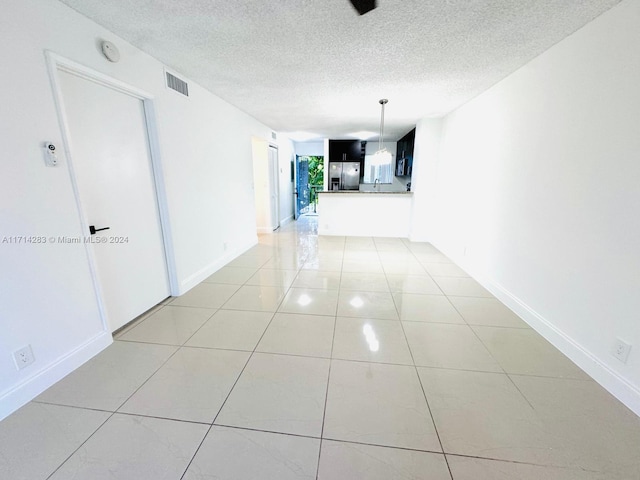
<point>180,86</point>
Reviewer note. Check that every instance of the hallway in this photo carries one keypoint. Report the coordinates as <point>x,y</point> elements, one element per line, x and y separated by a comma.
<point>326,357</point>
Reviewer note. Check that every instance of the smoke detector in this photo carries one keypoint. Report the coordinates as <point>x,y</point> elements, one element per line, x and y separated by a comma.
<point>110,51</point>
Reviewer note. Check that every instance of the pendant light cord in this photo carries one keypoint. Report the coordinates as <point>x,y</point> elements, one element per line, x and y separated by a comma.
<point>382,102</point>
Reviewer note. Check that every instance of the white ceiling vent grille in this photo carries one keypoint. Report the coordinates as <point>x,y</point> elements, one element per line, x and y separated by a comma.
<point>180,86</point>
<point>273,136</point>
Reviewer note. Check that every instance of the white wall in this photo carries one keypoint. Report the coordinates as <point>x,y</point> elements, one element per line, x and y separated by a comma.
<point>261,186</point>
<point>325,149</point>
<point>424,177</point>
<point>207,153</point>
<point>286,155</point>
<point>538,194</point>
<point>309,148</point>
<point>46,294</point>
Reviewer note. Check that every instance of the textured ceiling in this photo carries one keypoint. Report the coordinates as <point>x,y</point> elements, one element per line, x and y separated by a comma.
<point>316,66</point>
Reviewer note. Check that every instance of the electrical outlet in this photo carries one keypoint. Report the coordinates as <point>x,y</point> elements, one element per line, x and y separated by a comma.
<point>23,357</point>
<point>621,350</point>
<point>225,245</point>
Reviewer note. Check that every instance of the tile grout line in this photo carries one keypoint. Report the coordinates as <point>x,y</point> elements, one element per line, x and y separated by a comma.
<point>222,405</point>
<point>515,462</point>
<point>179,420</point>
<point>338,440</point>
<point>184,344</point>
<point>326,396</point>
<point>333,340</point>
<point>504,372</point>
<point>424,393</point>
<point>136,322</point>
<point>81,445</point>
<point>112,414</point>
<point>486,349</point>
<point>234,427</point>
<point>284,354</point>
<point>213,422</point>
<point>344,247</point>
<point>72,406</point>
<point>475,334</point>
<point>274,248</point>
<point>491,354</point>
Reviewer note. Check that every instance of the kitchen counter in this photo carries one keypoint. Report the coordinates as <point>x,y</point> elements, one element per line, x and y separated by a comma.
<point>365,214</point>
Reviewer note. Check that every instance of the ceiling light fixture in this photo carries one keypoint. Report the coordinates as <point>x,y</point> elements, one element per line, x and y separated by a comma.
<point>382,156</point>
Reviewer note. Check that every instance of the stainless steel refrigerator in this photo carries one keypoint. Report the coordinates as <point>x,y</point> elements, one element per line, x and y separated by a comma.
<point>344,175</point>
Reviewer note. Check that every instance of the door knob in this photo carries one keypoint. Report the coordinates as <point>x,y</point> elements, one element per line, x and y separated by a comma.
<point>93,229</point>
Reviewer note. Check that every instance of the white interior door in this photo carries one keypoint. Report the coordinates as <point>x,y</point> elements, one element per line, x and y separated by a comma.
<point>274,187</point>
<point>112,165</point>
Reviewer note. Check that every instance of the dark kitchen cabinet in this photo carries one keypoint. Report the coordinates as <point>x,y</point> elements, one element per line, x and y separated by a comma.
<point>347,151</point>
<point>404,154</point>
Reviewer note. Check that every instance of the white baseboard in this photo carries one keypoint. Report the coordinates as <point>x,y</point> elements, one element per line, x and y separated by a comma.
<point>289,219</point>
<point>617,385</point>
<point>591,364</point>
<point>194,279</point>
<point>31,387</point>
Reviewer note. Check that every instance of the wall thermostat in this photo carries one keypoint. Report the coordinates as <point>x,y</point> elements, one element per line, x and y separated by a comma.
<point>110,51</point>
<point>50,155</point>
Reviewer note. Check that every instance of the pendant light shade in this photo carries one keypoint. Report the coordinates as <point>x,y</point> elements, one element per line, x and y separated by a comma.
<point>381,157</point>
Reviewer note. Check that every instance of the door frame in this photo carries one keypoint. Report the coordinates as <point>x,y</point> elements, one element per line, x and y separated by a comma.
<point>274,187</point>
<point>56,63</point>
<point>296,186</point>
<point>296,212</point>
<point>294,175</point>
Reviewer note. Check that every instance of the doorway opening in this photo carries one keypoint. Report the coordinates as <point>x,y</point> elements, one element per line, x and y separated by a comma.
<point>274,188</point>
<point>309,180</point>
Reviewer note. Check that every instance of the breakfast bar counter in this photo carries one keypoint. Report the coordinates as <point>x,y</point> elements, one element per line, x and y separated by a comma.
<point>365,213</point>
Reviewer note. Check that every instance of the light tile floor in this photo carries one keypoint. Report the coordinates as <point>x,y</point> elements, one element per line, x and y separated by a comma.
<point>326,358</point>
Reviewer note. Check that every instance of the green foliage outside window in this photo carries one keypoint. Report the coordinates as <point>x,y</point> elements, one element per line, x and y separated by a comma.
<point>316,170</point>
<point>316,176</point>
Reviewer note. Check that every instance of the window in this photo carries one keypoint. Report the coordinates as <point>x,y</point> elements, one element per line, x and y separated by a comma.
<point>382,172</point>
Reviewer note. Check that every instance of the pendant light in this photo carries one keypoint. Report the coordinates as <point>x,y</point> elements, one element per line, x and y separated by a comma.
<point>382,156</point>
